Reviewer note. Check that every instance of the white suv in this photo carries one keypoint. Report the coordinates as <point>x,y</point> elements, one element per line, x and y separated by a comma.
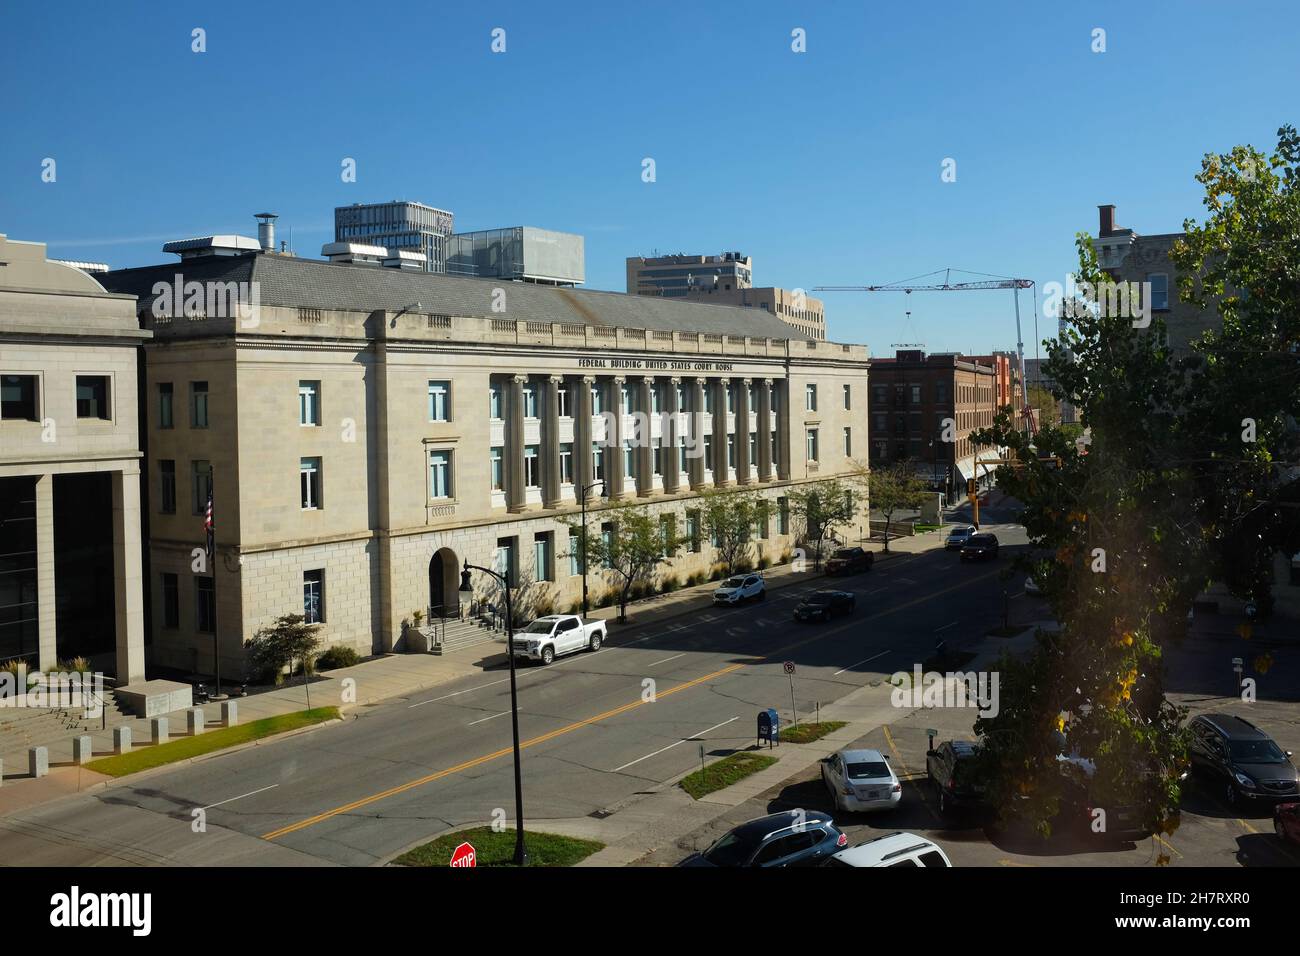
<point>897,849</point>
<point>740,588</point>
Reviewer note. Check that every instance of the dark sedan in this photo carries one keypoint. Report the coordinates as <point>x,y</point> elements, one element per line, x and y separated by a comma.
<point>849,561</point>
<point>980,547</point>
<point>1251,768</point>
<point>793,838</point>
<point>824,605</point>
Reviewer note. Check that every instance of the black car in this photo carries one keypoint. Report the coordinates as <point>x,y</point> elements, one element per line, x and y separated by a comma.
<point>849,561</point>
<point>980,547</point>
<point>824,605</point>
<point>793,838</point>
<point>1251,768</point>
<point>953,769</point>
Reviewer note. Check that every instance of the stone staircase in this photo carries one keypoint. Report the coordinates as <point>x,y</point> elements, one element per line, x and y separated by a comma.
<point>23,727</point>
<point>465,632</point>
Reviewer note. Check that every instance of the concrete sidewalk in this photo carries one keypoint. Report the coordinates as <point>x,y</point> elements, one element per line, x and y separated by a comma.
<point>379,679</point>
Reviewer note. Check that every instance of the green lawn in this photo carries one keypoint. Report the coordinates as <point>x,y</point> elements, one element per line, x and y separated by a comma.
<point>498,849</point>
<point>807,733</point>
<point>143,758</point>
<point>725,772</point>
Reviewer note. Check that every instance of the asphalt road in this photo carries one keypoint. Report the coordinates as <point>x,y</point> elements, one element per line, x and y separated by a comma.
<point>593,734</point>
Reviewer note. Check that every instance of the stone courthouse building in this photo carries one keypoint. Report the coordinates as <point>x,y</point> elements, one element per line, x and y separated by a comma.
<point>364,430</point>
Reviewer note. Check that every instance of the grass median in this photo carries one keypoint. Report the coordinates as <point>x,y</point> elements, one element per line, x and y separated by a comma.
<point>146,758</point>
<point>723,773</point>
<point>493,848</point>
<point>807,733</point>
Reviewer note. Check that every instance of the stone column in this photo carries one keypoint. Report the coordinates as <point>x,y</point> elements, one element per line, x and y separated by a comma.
<point>46,625</point>
<point>644,452</point>
<point>744,467</point>
<point>128,588</point>
<point>582,474</point>
<point>721,475</point>
<point>671,432</point>
<point>783,429</point>
<point>695,462</point>
<point>514,451</point>
<point>614,442</point>
<point>551,443</point>
<point>765,429</point>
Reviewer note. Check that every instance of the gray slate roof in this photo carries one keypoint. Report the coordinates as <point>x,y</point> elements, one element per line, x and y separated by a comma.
<point>316,284</point>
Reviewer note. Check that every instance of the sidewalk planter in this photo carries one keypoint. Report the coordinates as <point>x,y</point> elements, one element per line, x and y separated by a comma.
<point>418,640</point>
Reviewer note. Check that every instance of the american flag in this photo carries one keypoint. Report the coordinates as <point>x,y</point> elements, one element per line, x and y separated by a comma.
<point>207,524</point>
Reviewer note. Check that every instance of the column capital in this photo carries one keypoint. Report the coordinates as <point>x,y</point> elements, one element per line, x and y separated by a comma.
<point>703,380</point>
<point>648,379</point>
<point>619,379</point>
<point>589,379</point>
<point>767,382</point>
<point>556,379</point>
<point>519,379</point>
<point>675,380</point>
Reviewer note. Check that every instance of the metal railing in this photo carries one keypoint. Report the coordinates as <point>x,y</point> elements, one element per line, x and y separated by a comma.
<point>442,613</point>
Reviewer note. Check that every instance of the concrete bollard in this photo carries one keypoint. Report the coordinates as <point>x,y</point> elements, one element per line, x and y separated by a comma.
<point>229,713</point>
<point>121,740</point>
<point>158,730</point>
<point>82,750</point>
<point>38,761</point>
<point>194,721</point>
<point>2,773</point>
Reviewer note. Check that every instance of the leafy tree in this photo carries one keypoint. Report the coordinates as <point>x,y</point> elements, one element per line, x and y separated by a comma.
<point>820,508</point>
<point>1045,404</point>
<point>892,487</point>
<point>637,544</point>
<point>288,642</point>
<point>1174,492</point>
<point>728,517</point>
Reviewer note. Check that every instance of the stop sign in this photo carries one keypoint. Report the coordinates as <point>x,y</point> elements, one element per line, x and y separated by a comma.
<point>464,856</point>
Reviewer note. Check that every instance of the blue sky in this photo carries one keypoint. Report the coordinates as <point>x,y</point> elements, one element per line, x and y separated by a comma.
<point>824,165</point>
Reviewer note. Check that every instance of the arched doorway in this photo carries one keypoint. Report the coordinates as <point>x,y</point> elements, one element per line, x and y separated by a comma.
<point>444,583</point>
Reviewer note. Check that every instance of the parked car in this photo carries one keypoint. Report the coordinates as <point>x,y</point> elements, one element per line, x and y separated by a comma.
<point>740,588</point>
<point>849,561</point>
<point>957,537</point>
<point>793,838</point>
<point>953,769</point>
<point>1286,821</point>
<point>980,547</point>
<point>824,605</point>
<point>1250,766</point>
<point>555,635</point>
<point>861,780</point>
<point>896,849</point>
<point>1122,821</point>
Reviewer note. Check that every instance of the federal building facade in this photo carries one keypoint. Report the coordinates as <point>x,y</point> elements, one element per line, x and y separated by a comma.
<point>363,431</point>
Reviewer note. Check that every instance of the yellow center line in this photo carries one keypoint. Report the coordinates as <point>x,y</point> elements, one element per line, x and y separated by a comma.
<point>1247,825</point>
<point>1166,844</point>
<point>586,722</point>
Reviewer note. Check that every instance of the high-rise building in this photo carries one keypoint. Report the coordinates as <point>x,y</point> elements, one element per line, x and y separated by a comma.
<point>725,279</point>
<point>518,253</point>
<point>398,226</point>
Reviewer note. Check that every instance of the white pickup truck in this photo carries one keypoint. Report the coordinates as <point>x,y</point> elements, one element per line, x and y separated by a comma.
<point>555,635</point>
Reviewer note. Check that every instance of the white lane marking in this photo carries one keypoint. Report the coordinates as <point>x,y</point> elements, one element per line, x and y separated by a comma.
<point>468,690</point>
<point>945,627</point>
<point>906,581</point>
<point>667,659</point>
<point>671,746</point>
<point>481,719</point>
<point>876,591</point>
<point>867,661</point>
<point>240,797</point>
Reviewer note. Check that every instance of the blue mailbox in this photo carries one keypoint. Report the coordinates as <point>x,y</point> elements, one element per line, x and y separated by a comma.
<point>769,727</point>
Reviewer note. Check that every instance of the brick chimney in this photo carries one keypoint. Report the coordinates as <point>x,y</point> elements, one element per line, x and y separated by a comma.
<point>1107,224</point>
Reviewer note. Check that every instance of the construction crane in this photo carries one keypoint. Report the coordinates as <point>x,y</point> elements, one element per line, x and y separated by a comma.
<point>915,284</point>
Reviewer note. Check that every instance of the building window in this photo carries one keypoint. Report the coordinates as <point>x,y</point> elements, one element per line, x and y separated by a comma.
<point>708,452</point>
<point>171,599</point>
<point>494,401</point>
<point>575,552</point>
<point>1159,291</point>
<point>18,398</point>
<point>731,451</point>
<point>309,482</point>
<point>607,539</point>
<point>656,398</point>
<point>440,474</point>
<point>629,462</point>
<point>848,442</point>
<point>682,456</point>
<point>667,535</point>
<point>811,442</point>
<point>598,461</point>
<point>530,400</point>
<point>495,465</point>
<point>167,486</point>
<point>848,396</point>
<point>708,400</point>
<point>783,515</point>
<point>504,561</point>
<point>880,394</point>
<point>916,394</point>
<point>731,398</point>
<point>201,484</point>
<point>205,605</point>
<point>753,448</point>
<point>166,418</point>
<point>657,456</point>
<point>776,449</point>
<point>440,401</point>
<point>562,399</point>
<point>308,403</point>
<point>313,597</point>
<point>626,397</point>
<point>597,399</point>
<point>92,397</point>
<point>543,566</point>
<point>693,530</point>
<point>532,467</point>
<point>566,463</point>
<point>198,404</point>
<point>762,526</point>
<point>681,398</point>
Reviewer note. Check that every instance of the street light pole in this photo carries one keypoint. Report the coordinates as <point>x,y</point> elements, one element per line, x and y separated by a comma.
<point>521,853</point>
